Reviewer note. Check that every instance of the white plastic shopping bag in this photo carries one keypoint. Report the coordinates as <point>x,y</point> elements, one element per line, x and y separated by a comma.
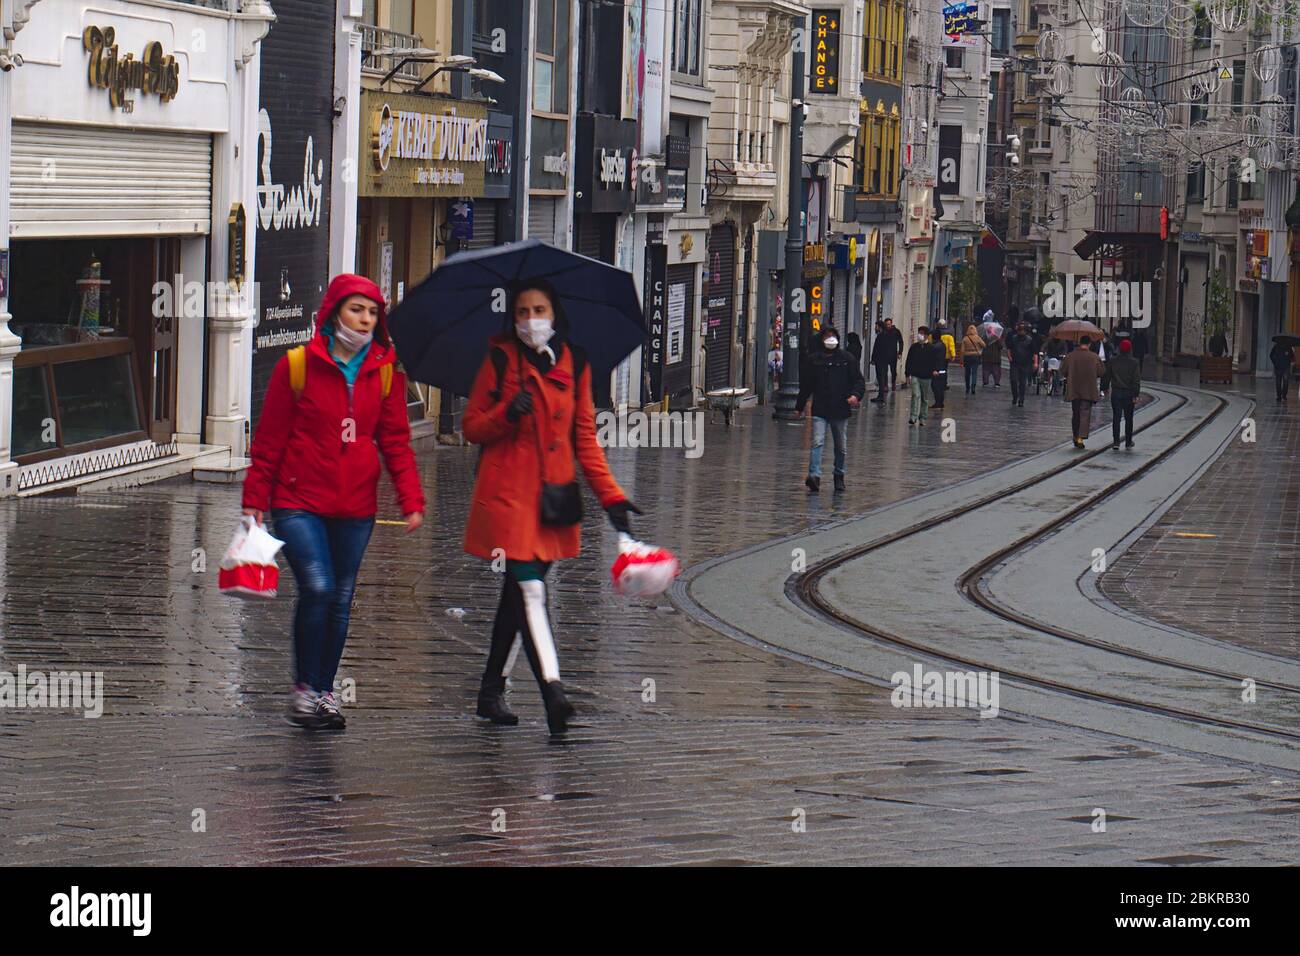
<point>642,570</point>
<point>249,568</point>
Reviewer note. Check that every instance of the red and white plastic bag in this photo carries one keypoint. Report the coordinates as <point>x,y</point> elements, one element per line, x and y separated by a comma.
<point>249,568</point>
<point>643,570</point>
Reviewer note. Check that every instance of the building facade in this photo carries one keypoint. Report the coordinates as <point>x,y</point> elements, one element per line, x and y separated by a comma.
<point>128,198</point>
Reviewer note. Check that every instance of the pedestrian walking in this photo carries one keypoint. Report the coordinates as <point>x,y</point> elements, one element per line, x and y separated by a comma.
<point>853,345</point>
<point>1022,353</point>
<point>922,359</point>
<point>939,380</point>
<point>1124,379</point>
<point>835,385</point>
<point>1140,347</point>
<point>884,356</point>
<point>531,410</point>
<point>991,359</point>
<point>972,346</point>
<point>1082,369</point>
<point>1283,358</point>
<point>333,408</point>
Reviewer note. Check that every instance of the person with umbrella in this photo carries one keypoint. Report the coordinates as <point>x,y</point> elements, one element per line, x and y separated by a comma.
<point>1283,358</point>
<point>992,355</point>
<point>534,416</point>
<point>333,408</point>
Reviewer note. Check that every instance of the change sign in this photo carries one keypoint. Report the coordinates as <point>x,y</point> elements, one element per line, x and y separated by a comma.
<point>825,77</point>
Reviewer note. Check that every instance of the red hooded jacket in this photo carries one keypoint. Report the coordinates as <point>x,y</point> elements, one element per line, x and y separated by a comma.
<point>301,457</point>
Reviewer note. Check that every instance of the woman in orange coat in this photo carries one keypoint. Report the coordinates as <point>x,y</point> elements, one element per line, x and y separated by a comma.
<point>531,409</point>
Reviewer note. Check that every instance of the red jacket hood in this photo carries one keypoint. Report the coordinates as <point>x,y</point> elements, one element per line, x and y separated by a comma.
<point>343,286</point>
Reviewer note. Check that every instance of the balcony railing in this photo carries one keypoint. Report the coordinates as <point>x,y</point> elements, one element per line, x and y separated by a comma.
<point>377,38</point>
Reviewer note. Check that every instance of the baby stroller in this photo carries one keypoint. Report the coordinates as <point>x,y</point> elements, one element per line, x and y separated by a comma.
<point>1049,374</point>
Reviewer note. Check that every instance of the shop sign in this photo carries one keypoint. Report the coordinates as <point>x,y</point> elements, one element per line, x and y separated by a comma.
<point>656,280</point>
<point>1248,285</point>
<point>679,152</point>
<point>498,156</point>
<point>418,152</point>
<point>155,72</point>
<point>675,187</point>
<point>825,52</point>
<point>462,220</point>
<point>237,226</point>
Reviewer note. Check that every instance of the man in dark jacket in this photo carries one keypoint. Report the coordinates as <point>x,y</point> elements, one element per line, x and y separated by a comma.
<point>1022,352</point>
<point>835,385</point>
<point>1124,382</point>
<point>884,356</point>
<point>923,358</point>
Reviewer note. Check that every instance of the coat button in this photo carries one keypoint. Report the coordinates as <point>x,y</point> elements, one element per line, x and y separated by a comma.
<point>554,445</point>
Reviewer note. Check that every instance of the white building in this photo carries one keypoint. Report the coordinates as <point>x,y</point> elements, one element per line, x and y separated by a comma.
<point>127,158</point>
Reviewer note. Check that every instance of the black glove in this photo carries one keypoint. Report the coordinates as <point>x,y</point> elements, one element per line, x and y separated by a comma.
<point>521,405</point>
<point>618,515</point>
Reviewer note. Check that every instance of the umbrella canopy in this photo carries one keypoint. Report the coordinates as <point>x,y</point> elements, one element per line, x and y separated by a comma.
<point>1073,329</point>
<point>441,328</point>
<point>992,330</point>
<point>1284,339</point>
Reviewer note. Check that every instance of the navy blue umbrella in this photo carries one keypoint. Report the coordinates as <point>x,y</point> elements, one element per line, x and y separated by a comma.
<point>441,328</point>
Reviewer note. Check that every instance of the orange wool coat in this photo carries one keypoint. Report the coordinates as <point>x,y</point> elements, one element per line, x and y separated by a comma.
<point>505,510</point>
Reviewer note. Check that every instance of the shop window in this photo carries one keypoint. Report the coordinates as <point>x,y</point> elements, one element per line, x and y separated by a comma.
<point>97,398</point>
<point>92,345</point>
<point>954,57</point>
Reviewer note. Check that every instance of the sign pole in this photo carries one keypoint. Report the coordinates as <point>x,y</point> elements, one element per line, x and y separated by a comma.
<point>788,394</point>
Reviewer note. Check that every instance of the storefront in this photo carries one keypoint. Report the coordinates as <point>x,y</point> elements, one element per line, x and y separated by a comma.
<point>122,244</point>
<point>425,155</point>
<point>605,157</point>
<point>295,142</point>
<point>486,226</point>
<point>680,358</point>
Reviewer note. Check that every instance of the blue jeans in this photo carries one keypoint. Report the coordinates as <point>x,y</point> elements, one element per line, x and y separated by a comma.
<point>839,432</point>
<point>325,554</point>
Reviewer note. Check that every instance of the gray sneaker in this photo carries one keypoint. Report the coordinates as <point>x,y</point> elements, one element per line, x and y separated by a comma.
<point>328,714</point>
<point>302,706</point>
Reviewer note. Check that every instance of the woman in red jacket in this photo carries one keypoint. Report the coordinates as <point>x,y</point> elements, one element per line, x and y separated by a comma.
<point>531,409</point>
<point>315,467</point>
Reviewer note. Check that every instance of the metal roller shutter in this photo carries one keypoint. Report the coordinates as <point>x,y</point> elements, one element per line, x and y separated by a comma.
<point>840,303</point>
<point>542,212</point>
<point>720,301</point>
<point>588,236</point>
<point>104,181</point>
<point>485,225</point>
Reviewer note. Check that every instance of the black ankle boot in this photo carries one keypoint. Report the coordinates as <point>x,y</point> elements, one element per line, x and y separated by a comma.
<point>492,703</point>
<point>839,482</point>
<point>558,708</point>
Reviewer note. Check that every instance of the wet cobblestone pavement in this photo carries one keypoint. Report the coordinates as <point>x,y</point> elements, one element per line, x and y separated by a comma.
<point>1238,584</point>
<point>713,770</point>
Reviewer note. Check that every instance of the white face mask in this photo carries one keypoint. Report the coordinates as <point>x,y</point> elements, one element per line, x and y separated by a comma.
<point>535,333</point>
<point>831,343</point>
<point>351,339</point>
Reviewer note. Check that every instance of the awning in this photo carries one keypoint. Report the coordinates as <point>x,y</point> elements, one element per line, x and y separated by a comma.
<point>1099,244</point>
